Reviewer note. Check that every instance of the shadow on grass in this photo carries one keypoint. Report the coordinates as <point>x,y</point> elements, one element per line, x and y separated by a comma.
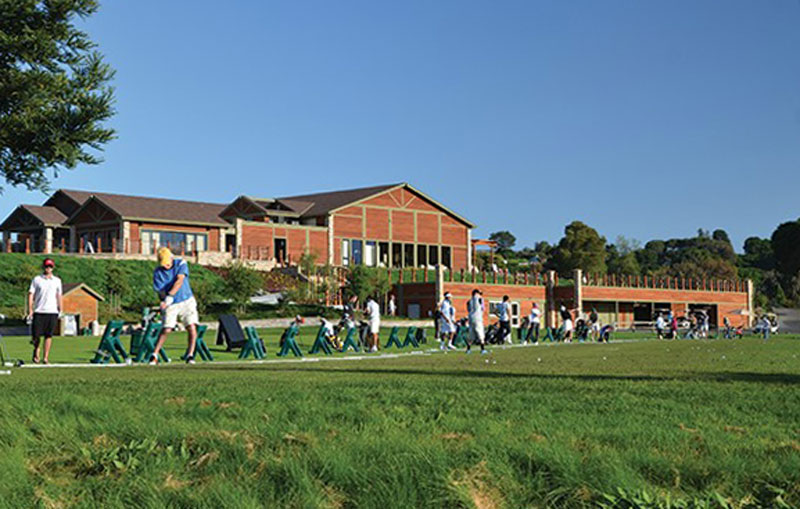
<point>761,378</point>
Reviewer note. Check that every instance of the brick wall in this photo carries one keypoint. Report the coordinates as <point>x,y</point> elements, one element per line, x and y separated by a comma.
<point>259,238</point>
<point>82,303</point>
<point>401,216</point>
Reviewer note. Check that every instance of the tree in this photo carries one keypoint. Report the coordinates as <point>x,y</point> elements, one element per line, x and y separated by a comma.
<point>721,235</point>
<point>54,92</point>
<point>504,239</point>
<point>116,284</point>
<point>580,248</point>
<point>241,283</point>
<point>758,254</point>
<point>786,247</point>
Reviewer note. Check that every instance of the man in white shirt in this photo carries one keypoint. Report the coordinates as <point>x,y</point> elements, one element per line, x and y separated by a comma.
<point>661,325</point>
<point>475,309</point>
<point>392,306</point>
<point>534,320</point>
<point>447,322</point>
<point>504,315</point>
<point>374,319</point>
<point>44,307</point>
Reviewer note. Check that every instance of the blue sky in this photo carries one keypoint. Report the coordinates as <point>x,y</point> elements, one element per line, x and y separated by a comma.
<point>643,119</point>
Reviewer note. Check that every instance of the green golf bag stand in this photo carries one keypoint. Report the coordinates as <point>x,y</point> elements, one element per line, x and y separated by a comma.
<point>110,344</point>
<point>147,346</point>
<point>394,338</point>
<point>200,346</point>
<point>253,345</point>
<point>411,337</point>
<point>460,338</point>
<point>289,342</point>
<point>321,343</point>
<point>554,334</point>
<point>350,340</point>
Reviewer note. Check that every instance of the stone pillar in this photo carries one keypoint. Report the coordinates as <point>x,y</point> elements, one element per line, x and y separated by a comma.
<point>439,282</point>
<point>469,250</point>
<point>578,293</point>
<point>330,243</point>
<point>124,237</point>
<point>6,241</point>
<point>47,248</point>
<point>750,310</point>
<point>73,240</point>
<point>239,229</point>
<point>550,304</point>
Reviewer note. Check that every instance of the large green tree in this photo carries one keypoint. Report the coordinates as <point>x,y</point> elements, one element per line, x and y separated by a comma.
<point>580,248</point>
<point>54,91</point>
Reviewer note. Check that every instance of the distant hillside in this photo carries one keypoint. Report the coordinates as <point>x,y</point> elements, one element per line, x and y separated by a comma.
<point>134,277</point>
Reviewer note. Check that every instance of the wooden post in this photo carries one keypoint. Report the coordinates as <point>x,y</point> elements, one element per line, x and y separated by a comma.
<point>27,245</point>
<point>114,245</point>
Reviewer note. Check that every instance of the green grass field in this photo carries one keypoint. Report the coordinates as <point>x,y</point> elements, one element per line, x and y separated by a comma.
<point>646,423</point>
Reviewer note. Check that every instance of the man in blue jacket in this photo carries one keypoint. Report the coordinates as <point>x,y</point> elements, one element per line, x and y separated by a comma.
<point>171,281</point>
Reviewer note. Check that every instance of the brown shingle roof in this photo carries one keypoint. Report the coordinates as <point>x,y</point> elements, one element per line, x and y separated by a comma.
<point>49,216</point>
<point>322,203</point>
<point>157,209</point>
<point>69,287</point>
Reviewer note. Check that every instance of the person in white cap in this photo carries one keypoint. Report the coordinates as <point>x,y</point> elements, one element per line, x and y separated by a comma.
<point>475,310</point>
<point>534,320</point>
<point>447,322</point>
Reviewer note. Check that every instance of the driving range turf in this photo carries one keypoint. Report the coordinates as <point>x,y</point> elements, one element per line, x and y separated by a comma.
<point>628,424</point>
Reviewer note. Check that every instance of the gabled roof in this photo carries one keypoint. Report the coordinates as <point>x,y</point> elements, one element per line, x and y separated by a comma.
<point>33,217</point>
<point>49,216</point>
<point>156,209</point>
<point>68,288</point>
<point>322,203</point>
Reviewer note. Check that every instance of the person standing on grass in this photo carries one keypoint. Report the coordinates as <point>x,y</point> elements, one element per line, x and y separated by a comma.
<point>594,323</point>
<point>44,307</point>
<point>374,319</point>
<point>171,282</point>
<point>661,324</point>
<point>392,306</point>
<point>534,320</point>
<point>475,310</point>
<point>673,326</point>
<point>504,315</point>
<point>447,322</point>
<point>566,317</point>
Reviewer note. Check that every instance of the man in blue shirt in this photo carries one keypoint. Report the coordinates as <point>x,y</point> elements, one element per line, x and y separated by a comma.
<point>171,281</point>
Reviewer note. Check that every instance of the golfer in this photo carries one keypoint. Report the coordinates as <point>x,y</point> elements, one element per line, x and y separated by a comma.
<point>504,315</point>
<point>171,281</point>
<point>566,316</point>
<point>534,319</point>
<point>44,307</point>
<point>475,310</point>
<point>374,320</point>
<point>447,322</point>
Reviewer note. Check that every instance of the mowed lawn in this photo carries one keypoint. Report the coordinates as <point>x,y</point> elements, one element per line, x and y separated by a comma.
<point>705,422</point>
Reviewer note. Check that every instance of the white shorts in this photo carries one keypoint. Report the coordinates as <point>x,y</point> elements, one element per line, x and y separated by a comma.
<point>375,326</point>
<point>185,311</point>
<point>596,326</point>
<point>476,333</point>
<point>567,325</point>
<point>446,327</point>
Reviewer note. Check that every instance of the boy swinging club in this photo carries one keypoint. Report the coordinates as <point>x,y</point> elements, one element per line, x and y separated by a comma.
<point>171,281</point>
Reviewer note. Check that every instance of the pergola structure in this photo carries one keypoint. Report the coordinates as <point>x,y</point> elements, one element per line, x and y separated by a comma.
<point>491,244</point>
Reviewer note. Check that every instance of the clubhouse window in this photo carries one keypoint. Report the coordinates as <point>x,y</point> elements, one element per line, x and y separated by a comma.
<point>176,241</point>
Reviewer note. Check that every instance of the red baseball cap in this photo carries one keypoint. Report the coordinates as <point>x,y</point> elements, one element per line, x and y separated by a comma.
<point>48,262</point>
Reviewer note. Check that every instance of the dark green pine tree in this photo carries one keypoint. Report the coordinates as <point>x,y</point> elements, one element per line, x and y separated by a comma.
<point>54,91</point>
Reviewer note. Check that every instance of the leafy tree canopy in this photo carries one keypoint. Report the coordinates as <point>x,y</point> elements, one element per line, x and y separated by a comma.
<point>54,92</point>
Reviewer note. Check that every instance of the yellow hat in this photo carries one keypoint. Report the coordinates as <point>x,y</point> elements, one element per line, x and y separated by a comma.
<point>164,256</point>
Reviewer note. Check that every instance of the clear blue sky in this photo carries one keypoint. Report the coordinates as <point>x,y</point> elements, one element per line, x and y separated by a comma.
<point>647,119</point>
